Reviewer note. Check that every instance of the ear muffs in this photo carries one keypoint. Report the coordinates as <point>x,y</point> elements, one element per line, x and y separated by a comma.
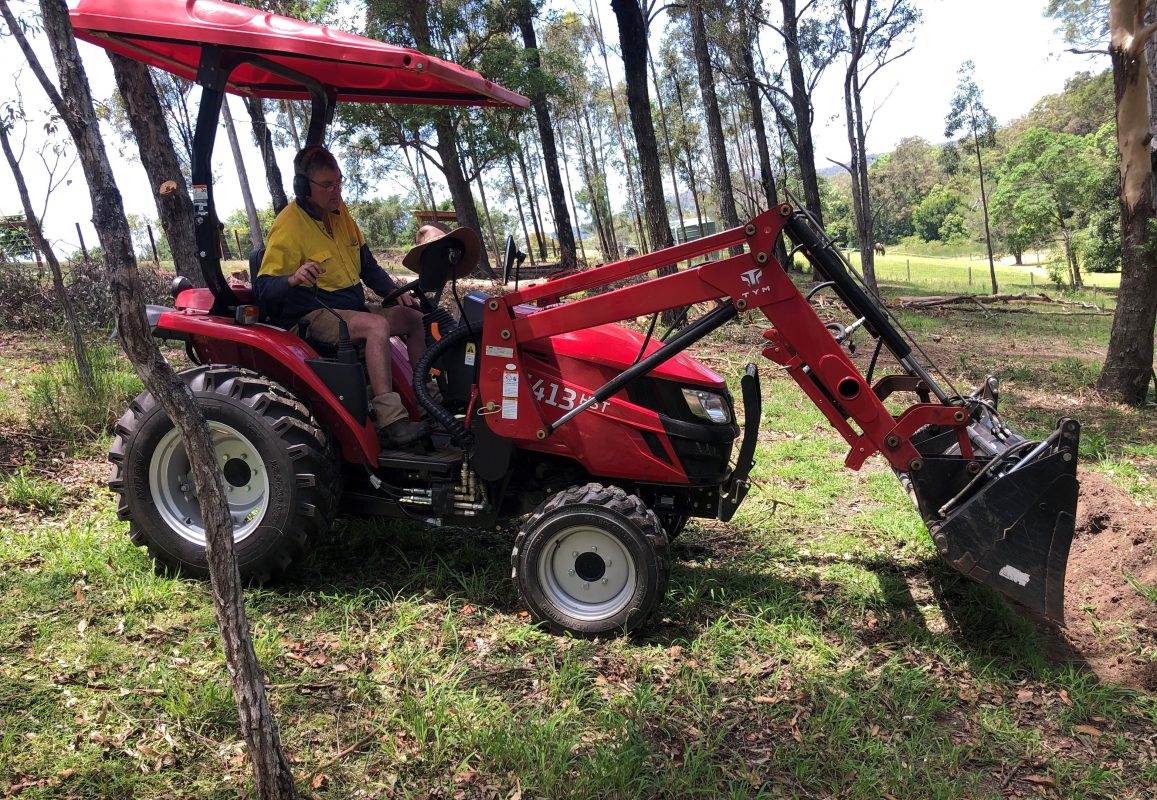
<point>301,169</point>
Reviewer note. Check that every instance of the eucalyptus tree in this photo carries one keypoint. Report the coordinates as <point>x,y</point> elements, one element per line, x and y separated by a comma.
<point>812,39</point>
<point>968,115</point>
<point>633,44</point>
<point>1125,28</point>
<point>273,777</point>
<point>537,80</point>
<point>877,34</point>
<point>714,120</point>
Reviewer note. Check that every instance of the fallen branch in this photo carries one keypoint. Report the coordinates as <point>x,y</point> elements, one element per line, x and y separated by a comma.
<point>919,303</point>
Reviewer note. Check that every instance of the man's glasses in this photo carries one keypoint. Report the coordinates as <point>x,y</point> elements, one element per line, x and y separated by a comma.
<point>329,186</point>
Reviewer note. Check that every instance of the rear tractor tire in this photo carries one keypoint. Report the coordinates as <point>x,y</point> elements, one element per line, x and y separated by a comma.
<point>280,474</point>
<point>590,561</point>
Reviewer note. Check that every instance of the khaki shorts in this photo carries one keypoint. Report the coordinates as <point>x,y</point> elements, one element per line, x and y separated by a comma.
<point>324,328</point>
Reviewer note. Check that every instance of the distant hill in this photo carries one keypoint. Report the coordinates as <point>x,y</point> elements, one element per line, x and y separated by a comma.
<point>833,170</point>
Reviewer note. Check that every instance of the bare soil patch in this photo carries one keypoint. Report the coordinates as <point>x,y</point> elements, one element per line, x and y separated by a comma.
<point>1110,624</point>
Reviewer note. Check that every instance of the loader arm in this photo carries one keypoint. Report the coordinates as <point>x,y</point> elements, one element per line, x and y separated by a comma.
<point>1000,509</point>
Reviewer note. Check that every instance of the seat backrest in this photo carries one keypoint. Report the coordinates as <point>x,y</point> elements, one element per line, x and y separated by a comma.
<point>255,258</point>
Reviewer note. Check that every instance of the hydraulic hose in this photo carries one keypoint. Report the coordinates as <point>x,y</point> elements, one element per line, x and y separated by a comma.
<point>458,433</point>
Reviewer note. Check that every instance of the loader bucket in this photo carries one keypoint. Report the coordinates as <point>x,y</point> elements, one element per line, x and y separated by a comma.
<point>1010,526</point>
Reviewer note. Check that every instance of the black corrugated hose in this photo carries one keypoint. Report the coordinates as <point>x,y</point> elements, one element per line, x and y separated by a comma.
<point>458,433</point>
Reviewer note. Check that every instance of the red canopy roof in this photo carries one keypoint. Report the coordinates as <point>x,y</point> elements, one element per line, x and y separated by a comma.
<point>170,33</point>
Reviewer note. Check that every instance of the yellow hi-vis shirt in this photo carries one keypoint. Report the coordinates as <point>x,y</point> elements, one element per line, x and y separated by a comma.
<point>296,237</point>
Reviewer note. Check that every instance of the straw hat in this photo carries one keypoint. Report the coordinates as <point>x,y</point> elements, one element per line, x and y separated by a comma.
<point>429,234</point>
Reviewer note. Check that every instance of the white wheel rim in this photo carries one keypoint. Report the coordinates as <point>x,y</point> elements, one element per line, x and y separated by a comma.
<point>586,573</point>
<point>246,483</point>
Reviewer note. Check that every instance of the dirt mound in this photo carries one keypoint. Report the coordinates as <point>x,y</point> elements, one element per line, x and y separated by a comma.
<point>1110,624</point>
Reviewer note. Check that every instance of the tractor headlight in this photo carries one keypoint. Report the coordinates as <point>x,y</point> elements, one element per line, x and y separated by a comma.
<point>707,405</point>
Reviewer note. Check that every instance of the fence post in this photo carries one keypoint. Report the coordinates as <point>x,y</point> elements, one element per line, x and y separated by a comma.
<point>83,249</point>
<point>909,269</point>
<point>1031,280</point>
<point>969,274</point>
<point>153,244</point>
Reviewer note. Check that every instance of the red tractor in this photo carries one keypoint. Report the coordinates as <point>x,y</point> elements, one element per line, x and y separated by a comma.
<point>601,440</point>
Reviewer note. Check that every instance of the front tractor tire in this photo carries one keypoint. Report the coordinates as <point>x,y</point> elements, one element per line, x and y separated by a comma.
<point>280,475</point>
<point>591,561</point>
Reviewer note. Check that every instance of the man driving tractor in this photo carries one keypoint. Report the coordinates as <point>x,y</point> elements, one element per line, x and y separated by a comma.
<point>316,260</point>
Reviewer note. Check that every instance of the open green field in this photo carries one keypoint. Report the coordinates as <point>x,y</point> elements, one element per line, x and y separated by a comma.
<point>814,647</point>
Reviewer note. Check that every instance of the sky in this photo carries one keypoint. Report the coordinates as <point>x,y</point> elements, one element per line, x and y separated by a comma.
<point>1018,56</point>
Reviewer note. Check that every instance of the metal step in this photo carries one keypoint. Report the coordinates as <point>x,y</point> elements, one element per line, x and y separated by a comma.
<point>443,463</point>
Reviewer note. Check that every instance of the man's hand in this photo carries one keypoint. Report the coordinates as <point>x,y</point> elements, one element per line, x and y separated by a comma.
<point>407,299</point>
<point>307,274</point>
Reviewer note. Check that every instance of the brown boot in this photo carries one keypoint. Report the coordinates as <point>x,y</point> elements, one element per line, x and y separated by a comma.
<point>395,429</point>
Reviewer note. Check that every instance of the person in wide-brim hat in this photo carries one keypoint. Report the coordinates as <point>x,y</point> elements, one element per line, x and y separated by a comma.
<point>429,235</point>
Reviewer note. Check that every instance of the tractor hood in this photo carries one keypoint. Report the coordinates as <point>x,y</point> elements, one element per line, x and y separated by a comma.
<point>171,34</point>
<point>618,347</point>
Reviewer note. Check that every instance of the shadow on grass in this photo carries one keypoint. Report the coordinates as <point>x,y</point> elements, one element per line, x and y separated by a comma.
<point>384,560</point>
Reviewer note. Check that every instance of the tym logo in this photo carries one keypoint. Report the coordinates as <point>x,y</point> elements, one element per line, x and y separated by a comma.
<point>752,276</point>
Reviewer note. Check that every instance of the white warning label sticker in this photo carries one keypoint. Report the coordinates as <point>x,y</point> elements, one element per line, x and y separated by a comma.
<point>1013,574</point>
<point>510,408</point>
<point>500,352</point>
<point>471,354</point>
<point>510,384</point>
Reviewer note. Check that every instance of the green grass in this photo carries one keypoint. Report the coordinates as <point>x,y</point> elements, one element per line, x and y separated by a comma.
<point>813,647</point>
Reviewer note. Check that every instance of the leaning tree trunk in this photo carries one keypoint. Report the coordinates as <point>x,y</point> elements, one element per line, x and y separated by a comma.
<point>1129,363</point>
<point>711,114</point>
<point>256,235</point>
<point>271,772</point>
<point>36,233</point>
<point>521,215</point>
<point>159,158</point>
<point>264,140</point>
<point>861,205</point>
<point>984,208</point>
<point>667,145</point>
<point>563,229</point>
<point>801,106</point>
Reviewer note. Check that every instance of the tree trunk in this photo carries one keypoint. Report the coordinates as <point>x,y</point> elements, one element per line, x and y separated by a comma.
<point>602,194</point>
<point>534,177</point>
<point>521,215</point>
<point>36,233</point>
<point>688,159</point>
<point>570,193</point>
<point>532,205</point>
<point>287,106</point>
<point>861,205</point>
<point>711,114</point>
<point>633,41</point>
<point>755,100</point>
<point>667,145</point>
<point>272,776</point>
<point>256,235</point>
<point>426,179</point>
<point>801,106</point>
<point>460,193</point>
<point>546,137</point>
<point>627,161</point>
<point>984,206</point>
<point>1129,363</point>
<point>175,208</point>
<point>596,212</point>
<point>264,141</point>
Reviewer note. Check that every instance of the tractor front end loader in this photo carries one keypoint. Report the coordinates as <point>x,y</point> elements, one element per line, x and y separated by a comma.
<point>597,441</point>
<point>1000,508</point>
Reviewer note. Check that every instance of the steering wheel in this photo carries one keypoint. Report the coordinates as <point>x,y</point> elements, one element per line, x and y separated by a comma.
<point>413,286</point>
